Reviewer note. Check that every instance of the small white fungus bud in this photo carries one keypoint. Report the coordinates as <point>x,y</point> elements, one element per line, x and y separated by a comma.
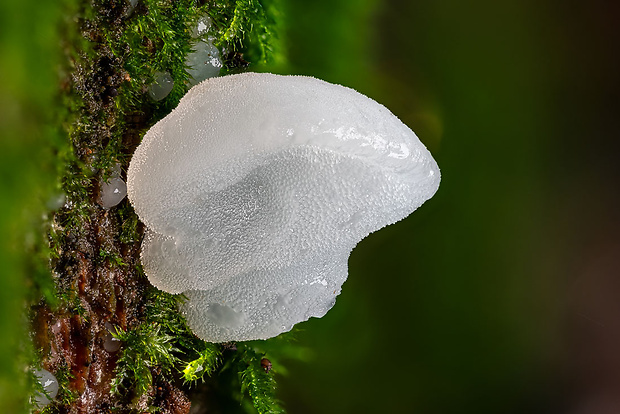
<point>161,86</point>
<point>113,190</point>
<point>49,383</point>
<point>204,62</point>
<point>201,27</point>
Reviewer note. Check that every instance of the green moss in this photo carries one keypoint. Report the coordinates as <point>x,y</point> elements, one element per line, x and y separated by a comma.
<point>129,224</point>
<point>112,258</point>
<point>144,350</point>
<point>249,27</point>
<point>207,361</point>
<point>165,342</point>
<point>258,383</point>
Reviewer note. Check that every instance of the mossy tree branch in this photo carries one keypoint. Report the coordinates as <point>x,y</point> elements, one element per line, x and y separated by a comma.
<point>98,290</point>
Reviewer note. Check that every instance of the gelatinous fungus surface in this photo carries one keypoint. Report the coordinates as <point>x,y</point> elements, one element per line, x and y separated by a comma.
<point>256,188</point>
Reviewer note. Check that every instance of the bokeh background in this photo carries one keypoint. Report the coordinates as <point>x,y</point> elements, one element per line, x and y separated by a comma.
<point>499,295</point>
<point>502,293</point>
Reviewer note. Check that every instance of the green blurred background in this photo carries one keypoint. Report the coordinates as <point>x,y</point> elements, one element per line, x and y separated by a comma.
<point>29,52</point>
<point>499,295</point>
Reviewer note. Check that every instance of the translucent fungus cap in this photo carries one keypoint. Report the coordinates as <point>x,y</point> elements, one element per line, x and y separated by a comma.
<point>256,188</point>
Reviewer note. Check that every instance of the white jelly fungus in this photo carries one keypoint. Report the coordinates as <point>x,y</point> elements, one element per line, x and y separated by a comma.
<point>256,188</point>
<point>49,383</point>
<point>161,86</point>
<point>113,190</point>
<point>201,27</point>
<point>204,61</point>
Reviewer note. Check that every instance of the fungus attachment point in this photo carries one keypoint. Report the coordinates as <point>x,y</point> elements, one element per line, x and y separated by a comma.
<point>256,188</point>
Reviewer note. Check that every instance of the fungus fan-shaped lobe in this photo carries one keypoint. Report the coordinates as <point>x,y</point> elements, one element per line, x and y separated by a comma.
<point>256,189</point>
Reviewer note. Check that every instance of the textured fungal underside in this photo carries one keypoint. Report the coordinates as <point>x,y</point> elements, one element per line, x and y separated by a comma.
<point>256,188</point>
